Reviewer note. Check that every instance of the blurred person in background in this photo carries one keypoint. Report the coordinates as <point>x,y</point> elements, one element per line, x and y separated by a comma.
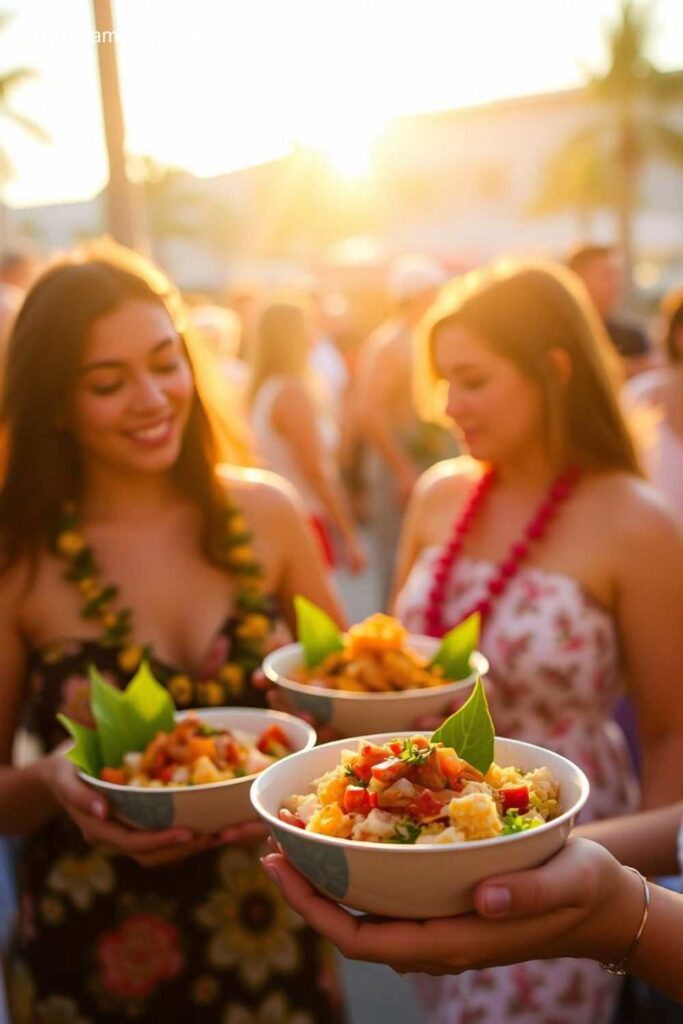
<point>127,530</point>
<point>573,561</point>
<point>293,432</point>
<point>654,402</point>
<point>332,317</point>
<point>598,267</point>
<point>221,330</point>
<point>383,409</point>
<point>242,298</point>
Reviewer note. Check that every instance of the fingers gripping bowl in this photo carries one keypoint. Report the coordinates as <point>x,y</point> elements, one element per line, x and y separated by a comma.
<point>397,879</point>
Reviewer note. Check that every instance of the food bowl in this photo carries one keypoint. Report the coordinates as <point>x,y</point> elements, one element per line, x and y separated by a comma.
<point>418,881</point>
<point>353,714</point>
<point>211,807</point>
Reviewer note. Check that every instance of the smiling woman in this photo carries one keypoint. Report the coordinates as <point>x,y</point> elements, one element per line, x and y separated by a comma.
<point>110,473</point>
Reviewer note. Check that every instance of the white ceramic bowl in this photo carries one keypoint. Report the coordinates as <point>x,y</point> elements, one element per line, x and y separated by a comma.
<point>352,714</point>
<point>411,881</point>
<point>208,808</point>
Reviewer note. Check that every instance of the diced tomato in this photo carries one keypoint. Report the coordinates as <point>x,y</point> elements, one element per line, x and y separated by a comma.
<point>361,771</point>
<point>290,819</point>
<point>428,804</point>
<point>515,798</point>
<point>369,754</point>
<point>272,740</point>
<point>357,800</point>
<point>231,751</point>
<point>421,742</point>
<point>390,770</point>
<point>396,747</point>
<point>116,775</point>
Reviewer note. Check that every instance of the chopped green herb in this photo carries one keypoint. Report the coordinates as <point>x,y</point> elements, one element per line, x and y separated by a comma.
<point>406,833</point>
<point>412,754</point>
<point>513,823</point>
<point>207,730</point>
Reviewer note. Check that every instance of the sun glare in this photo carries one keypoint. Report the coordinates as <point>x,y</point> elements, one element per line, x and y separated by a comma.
<point>349,148</point>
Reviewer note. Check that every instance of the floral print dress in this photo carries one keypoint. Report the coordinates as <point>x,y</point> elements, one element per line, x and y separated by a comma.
<point>554,680</point>
<point>101,939</point>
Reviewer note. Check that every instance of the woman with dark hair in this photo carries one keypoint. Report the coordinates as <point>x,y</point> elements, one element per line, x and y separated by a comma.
<point>121,540</point>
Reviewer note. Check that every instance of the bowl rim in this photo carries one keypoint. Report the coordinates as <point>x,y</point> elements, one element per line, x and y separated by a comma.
<point>280,716</point>
<point>473,844</point>
<point>448,686</point>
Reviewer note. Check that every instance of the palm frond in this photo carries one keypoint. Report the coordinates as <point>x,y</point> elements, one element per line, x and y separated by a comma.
<point>27,124</point>
<point>12,79</point>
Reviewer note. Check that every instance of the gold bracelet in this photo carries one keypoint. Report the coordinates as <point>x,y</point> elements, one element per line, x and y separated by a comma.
<point>620,967</point>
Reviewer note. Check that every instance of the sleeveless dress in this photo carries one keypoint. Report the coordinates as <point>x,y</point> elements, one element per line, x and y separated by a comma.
<point>554,680</point>
<point>101,939</point>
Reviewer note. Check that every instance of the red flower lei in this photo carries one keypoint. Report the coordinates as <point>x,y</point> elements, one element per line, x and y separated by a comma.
<point>559,491</point>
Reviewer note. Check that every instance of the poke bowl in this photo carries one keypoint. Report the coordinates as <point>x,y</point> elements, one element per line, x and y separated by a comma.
<point>388,687</point>
<point>207,798</point>
<point>433,859</point>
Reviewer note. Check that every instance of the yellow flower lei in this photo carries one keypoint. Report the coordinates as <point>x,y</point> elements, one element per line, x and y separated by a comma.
<point>253,621</point>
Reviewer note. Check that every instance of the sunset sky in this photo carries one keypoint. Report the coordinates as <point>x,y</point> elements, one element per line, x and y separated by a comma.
<point>212,85</point>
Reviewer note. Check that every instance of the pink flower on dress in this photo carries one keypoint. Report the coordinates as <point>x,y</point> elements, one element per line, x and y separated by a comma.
<point>76,700</point>
<point>139,954</point>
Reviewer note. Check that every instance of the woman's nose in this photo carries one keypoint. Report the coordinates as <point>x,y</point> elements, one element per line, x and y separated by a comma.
<point>148,393</point>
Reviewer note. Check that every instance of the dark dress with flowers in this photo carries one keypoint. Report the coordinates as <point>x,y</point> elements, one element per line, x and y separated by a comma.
<point>204,939</point>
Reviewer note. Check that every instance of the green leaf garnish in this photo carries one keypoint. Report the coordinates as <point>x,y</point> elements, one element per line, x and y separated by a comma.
<point>454,654</point>
<point>470,730</point>
<point>125,720</point>
<point>317,632</point>
<point>85,752</point>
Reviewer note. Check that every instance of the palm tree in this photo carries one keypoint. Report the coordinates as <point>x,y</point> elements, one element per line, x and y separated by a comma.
<point>120,211</point>
<point>609,155</point>
<point>9,82</point>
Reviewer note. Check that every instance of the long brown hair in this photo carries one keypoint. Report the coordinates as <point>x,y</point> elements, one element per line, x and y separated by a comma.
<point>40,459</point>
<point>281,343</point>
<point>524,311</point>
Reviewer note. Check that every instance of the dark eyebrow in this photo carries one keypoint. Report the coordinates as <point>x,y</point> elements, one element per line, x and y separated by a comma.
<point>115,364</point>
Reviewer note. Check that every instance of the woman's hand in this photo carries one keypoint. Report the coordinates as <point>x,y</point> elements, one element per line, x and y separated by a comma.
<point>90,812</point>
<point>581,903</point>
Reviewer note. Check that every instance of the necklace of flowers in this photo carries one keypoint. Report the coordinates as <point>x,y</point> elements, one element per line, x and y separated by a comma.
<point>253,623</point>
<point>559,491</point>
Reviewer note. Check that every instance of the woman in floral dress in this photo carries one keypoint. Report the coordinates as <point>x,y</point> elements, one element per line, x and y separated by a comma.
<point>120,540</point>
<point>576,568</point>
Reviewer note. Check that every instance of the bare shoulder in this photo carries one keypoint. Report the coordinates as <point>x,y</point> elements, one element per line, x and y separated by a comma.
<point>263,496</point>
<point>634,516</point>
<point>448,481</point>
<point>291,388</point>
